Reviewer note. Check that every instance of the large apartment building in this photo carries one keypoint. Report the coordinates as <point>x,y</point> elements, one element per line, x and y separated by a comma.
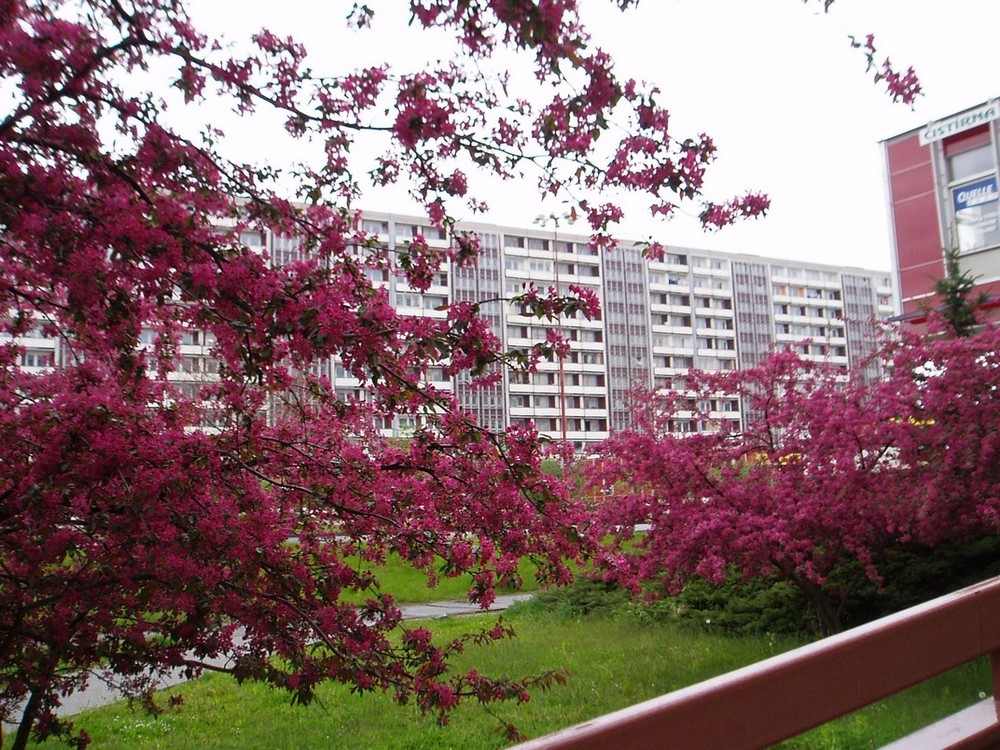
<point>692,309</point>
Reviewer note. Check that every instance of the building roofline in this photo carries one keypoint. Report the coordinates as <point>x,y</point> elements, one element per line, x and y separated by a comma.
<point>913,131</point>
<point>566,234</point>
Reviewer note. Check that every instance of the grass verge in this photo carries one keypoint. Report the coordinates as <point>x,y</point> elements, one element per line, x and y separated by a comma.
<point>613,661</point>
<point>409,585</point>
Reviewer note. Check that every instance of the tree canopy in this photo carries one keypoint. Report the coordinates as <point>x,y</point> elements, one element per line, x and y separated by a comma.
<point>829,470</point>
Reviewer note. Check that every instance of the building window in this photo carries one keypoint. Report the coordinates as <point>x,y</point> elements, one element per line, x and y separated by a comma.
<point>286,250</point>
<point>434,302</point>
<point>38,358</point>
<point>972,172</point>
<point>371,226</point>
<point>976,217</point>
<point>251,239</point>
<point>974,161</point>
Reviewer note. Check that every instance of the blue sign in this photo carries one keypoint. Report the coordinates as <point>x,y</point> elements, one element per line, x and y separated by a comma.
<point>975,193</point>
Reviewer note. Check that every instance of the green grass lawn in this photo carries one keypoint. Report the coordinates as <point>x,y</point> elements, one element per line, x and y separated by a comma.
<point>406,584</point>
<point>613,661</point>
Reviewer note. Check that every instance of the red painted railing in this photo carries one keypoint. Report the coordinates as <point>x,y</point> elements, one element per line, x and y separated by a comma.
<point>783,696</point>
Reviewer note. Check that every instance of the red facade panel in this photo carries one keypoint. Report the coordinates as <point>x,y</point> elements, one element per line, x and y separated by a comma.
<point>913,193</point>
<point>918,281</point>
<point>907,153</point>
<point>912,182</point>
<point>918,237</point>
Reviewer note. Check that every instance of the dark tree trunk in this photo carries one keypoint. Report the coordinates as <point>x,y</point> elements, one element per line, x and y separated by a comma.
<point>827,610</point>
<point>27,719</point>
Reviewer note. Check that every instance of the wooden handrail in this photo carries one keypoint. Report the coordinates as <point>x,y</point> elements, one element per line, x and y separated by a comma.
<point>783,696</point>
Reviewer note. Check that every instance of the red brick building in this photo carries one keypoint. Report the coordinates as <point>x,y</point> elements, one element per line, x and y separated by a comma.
<point>943,193</point>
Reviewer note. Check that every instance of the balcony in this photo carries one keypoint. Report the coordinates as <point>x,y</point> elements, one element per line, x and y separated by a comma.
<point>788,694</point>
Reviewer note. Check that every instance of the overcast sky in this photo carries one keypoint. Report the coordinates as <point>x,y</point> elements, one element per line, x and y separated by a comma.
<point>774,82</point>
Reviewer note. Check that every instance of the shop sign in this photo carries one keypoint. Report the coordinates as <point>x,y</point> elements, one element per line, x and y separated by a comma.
<point>975,193</point>
<point>935,131</point>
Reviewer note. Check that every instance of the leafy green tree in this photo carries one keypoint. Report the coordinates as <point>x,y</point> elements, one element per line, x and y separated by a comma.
<point>960,304</point>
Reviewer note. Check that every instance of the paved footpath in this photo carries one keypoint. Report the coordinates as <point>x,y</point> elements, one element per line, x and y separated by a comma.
<point>100,694</point>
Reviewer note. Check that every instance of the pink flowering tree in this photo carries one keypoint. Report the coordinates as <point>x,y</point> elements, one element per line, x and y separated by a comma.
<point>949,450</point>
<point>829,471</point>
<point>785,497</point>
<point>148,524</point>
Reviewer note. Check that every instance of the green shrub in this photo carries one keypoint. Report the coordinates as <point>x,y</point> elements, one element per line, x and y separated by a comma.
<point>582,598</point>
<point>912,574</point>
<point>753,607</point>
